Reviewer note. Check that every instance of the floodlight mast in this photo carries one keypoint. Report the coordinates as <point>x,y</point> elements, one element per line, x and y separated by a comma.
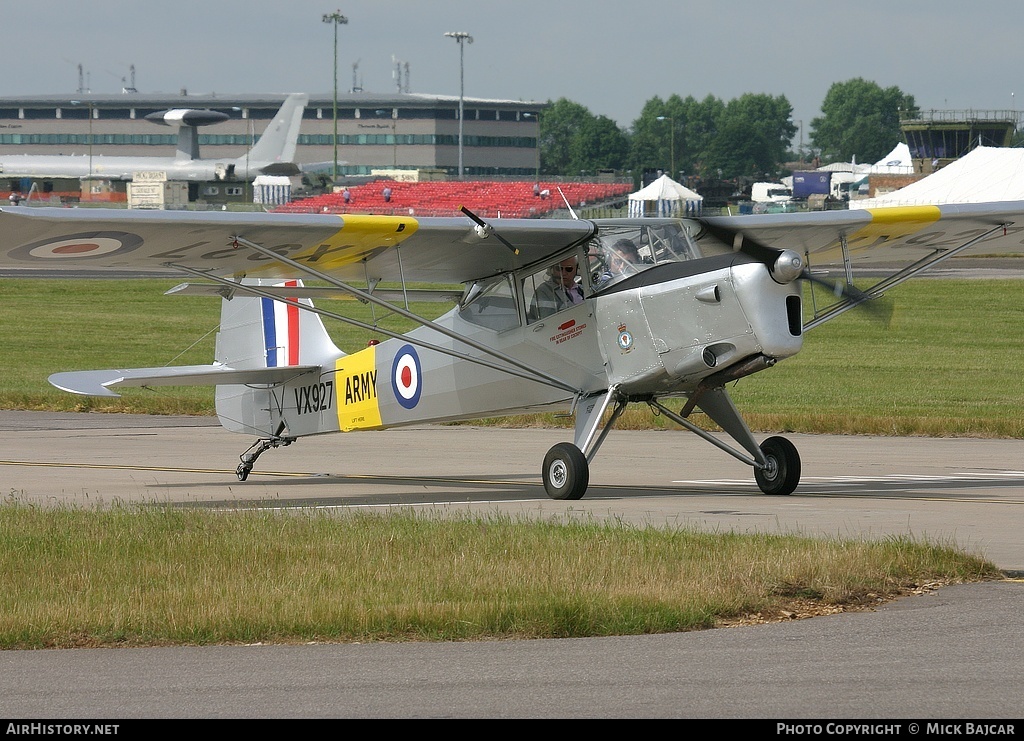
<point>462,38</point>
<point>337,19</point>
<point>672,144</point>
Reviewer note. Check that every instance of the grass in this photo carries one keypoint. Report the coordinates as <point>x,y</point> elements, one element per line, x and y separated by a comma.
<point>152,575</point>
<point>144,576</point>
<point>944,366</point>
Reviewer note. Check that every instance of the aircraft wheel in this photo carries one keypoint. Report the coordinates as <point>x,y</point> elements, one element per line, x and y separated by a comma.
<point>566,472</point>
<point>783,471</point>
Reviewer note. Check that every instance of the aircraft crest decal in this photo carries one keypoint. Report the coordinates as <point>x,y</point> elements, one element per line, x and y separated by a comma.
<point>625,339</point>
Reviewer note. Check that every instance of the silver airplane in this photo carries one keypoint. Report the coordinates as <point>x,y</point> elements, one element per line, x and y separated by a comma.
<point>273,154</point>
<point>574,316</point>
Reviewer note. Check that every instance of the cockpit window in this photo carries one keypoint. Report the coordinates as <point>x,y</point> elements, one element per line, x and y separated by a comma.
<point>491,305</point>
<point>620,250</point>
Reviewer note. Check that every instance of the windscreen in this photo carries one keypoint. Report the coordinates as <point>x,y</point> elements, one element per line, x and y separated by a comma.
<point>623,249</point>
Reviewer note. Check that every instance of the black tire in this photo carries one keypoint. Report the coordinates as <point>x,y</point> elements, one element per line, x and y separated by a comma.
<point>783,472</point>
<point>566,472</point>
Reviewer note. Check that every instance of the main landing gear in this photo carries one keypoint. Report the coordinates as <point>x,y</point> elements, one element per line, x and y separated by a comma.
<point>566,472</point>
<point>781,471</point>
<point>262,445</point>
<point>776,462</point>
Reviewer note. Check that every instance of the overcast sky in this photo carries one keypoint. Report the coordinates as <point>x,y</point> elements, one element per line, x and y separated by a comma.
<point>610,56</point>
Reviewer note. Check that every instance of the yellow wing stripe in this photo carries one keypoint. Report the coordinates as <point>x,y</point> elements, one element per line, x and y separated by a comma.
<point>359,237</point>
<point>899,220</point>
<point>896,214</point>
<point>886,225</point>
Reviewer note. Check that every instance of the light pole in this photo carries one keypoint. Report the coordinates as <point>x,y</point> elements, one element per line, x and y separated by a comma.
<point>533,117</point>
<point>462,38</point>
<point>336,18</point>
<point>394,133</point>
<point>672,144</point>
<point>89,179</point>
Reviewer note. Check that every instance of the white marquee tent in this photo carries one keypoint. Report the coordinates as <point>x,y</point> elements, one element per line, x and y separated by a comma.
<point>982,175</point>
<point>897,162</point>
<point>665,197</point>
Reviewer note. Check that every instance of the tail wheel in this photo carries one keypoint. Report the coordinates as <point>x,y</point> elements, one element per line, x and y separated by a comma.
<point>566,472</point>
<point>782,473</point>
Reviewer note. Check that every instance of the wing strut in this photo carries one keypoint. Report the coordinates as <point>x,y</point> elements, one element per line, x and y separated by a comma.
<point>899,277</point>
<point>534,373</point>
<point>276,296</point>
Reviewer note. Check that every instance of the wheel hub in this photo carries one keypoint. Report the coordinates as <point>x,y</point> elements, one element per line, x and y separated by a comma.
<point>558,474</point>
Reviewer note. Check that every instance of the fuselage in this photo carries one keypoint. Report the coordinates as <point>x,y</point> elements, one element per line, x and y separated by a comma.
<point>109,167</point>
<point>659,333</point>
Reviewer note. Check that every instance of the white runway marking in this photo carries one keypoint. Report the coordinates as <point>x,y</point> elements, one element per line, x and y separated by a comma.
<point>896,478</point>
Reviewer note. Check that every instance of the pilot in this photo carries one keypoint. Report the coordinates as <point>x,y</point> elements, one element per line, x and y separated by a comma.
<point>619,261</point>
<point>560,290</point>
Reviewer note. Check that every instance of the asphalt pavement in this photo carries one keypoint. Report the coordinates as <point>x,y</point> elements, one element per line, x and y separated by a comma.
<point>954,654</point>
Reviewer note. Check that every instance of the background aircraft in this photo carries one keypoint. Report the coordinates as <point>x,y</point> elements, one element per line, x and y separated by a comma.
<point>273,154</point>
<point>703,303</point>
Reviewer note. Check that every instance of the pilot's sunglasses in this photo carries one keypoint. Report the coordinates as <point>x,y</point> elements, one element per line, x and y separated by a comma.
<point>570,269</point>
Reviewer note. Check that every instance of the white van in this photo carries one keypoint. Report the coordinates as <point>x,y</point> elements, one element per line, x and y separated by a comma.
<point>770,193</point>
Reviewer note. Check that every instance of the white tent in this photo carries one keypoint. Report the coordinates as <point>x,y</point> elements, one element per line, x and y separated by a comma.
<point>897,162</point>
<point>983,175</point>
<point>271,189</point>
<point>665,197</point>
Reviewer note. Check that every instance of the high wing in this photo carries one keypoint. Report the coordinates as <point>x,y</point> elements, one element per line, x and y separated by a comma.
<point>905,240</point>
<point>350,247</point>
<point>888,235</point>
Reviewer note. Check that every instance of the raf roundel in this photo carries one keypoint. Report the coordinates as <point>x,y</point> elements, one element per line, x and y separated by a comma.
<point>79,246</point>
<point>406,373</point>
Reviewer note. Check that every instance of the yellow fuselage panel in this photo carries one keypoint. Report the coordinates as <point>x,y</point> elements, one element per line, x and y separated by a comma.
<point>356,386</point>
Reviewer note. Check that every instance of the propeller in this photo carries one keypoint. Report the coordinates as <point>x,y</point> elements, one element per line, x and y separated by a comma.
<point>785,266</point>
<point>485,230</point>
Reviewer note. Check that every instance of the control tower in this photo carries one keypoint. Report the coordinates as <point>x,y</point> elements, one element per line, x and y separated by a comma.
<point>936,138</point>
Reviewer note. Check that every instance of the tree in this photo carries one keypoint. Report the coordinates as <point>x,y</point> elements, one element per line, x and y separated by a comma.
<point>598,145</point>
<point>752,136</point>
<point>861,120</point>
<point>574,140</point>
<point>746,137</point>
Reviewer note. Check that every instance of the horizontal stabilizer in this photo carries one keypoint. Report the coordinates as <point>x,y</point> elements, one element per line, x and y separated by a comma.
<point>99,382</point>
<point>317,292</point>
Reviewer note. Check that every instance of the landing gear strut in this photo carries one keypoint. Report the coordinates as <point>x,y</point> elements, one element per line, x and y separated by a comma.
<point>262,445</point>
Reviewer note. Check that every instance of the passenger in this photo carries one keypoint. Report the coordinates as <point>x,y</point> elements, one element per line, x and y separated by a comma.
<point>619,261</point>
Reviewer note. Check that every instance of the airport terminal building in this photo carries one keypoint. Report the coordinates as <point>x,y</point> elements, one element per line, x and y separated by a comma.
<point>398,131</point>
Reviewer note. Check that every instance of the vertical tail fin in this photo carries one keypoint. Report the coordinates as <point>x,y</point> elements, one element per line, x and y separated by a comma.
<point>257,332</point>
<point>278,141</point>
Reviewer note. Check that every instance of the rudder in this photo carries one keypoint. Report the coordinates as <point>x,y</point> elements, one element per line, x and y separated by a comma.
<point>258,332</point>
